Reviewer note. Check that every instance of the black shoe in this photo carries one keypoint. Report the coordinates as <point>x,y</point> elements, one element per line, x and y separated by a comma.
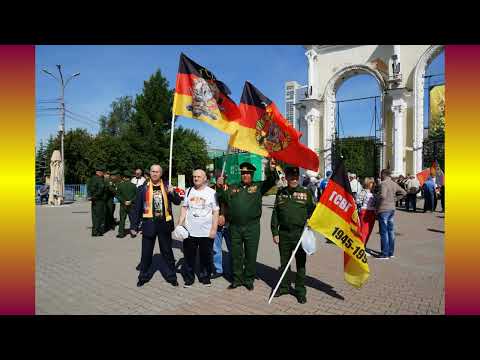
<point>216,275</point>
<point>133,236</point>
<point>173,282</point>
<point>249,287</point>
<point>187,284</point>
<point>206,282</point>
<point>233,286</point>
<point>121,236</point>
<point>141,282</point>
<point>139,267</point>
<point>301,299</point>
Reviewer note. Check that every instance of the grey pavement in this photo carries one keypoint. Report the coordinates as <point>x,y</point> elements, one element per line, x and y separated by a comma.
<point>80,274</point>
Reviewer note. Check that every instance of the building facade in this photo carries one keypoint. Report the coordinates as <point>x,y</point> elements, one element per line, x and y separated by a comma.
<point>400,73</point>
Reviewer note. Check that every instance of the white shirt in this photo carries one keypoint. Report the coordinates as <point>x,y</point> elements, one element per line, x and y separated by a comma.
<point>138,182</point>
<point>368,202</point>
<point>413,183</point>
<point>355,186</point>
<point>200,206</point>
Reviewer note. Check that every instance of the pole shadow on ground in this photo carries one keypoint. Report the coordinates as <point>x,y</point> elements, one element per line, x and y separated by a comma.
<point>270,276</point>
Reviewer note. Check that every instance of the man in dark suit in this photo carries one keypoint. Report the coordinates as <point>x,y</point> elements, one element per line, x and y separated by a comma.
<point>154,209</point>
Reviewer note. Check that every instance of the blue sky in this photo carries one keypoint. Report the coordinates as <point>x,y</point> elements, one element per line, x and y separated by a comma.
<point>108,72</point>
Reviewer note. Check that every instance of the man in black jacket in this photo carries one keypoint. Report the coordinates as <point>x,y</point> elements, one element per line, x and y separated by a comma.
<point>154,208</point>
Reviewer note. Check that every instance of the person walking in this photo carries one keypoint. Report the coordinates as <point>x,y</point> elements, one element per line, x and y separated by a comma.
<point>385,207</point>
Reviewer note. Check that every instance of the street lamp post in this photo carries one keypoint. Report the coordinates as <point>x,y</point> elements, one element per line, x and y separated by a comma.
<point>62,113</point>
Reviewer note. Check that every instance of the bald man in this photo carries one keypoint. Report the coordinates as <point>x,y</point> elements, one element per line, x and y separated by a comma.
<point>154,207</point>
<point>199,215</point>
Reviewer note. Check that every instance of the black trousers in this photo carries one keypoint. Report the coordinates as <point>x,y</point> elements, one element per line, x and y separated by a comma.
<point>411,202</point>
<point>164,235</point>
<point>205,247</point>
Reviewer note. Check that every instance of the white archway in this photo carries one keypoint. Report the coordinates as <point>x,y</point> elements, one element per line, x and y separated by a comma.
<point>330,105</point>
<point>418,92</point>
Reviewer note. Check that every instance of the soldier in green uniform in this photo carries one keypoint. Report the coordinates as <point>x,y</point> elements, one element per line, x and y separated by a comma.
<point>126,194</point>
<point>293,206</point>
<point>96,194</point>
<point>111,181</point>
<point>244,202</point>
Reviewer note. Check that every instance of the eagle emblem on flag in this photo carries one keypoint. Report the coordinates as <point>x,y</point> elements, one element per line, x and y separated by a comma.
<point>269,135</point>
<point>205,99</point>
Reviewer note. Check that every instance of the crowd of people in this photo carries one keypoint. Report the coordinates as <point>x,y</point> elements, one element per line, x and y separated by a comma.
<point>211,214</point>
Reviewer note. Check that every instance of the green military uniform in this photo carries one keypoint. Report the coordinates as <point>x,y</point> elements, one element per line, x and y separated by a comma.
<point>96,193</point>
<point>293,206</point>
<point>126,191</point>
<point>110,192</point>
<point>245,209</point>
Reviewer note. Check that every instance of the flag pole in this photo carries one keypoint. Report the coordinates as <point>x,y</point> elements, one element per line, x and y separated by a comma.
<point>285,271</point>
<point>171,149</point>
<point>225,161</point>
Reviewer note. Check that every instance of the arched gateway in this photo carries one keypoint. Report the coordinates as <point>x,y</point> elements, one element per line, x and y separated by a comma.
<point>399,71</point>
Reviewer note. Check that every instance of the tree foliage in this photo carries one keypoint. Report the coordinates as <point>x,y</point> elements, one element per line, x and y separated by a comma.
<point>359,155</point>
<point>135,133</point>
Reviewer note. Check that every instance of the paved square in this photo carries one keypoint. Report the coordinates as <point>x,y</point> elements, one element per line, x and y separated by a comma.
<point>80,274</point>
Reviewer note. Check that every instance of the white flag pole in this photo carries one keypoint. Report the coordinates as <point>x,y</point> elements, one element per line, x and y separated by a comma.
<point>285,271</point>
<point>171,150</point>
<point>225,161</point>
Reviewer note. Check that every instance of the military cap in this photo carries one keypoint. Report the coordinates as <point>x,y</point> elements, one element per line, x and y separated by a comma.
<point>292,170</point>
<point>100,167</point>
<point>247,167</point>
<point>114,172</point>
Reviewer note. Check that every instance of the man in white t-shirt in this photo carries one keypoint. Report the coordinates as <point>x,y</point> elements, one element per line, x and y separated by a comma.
<point>199,215</point>
<point>138,180</point>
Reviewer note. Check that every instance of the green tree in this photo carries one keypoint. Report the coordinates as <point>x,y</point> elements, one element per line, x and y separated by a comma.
<point>189,152</point>
<point>40,163</point>
<point>154,104</point>
<point>358,154</point>
<point>119,118</point>
<point>134,134</point>
<point>76,143</point>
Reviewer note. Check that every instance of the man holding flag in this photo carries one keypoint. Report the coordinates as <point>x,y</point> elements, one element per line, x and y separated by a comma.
<point>293,206</point>
<point>244,202</point>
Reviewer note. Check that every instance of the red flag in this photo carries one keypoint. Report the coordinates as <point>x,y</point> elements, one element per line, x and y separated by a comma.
<point>263,130</point>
